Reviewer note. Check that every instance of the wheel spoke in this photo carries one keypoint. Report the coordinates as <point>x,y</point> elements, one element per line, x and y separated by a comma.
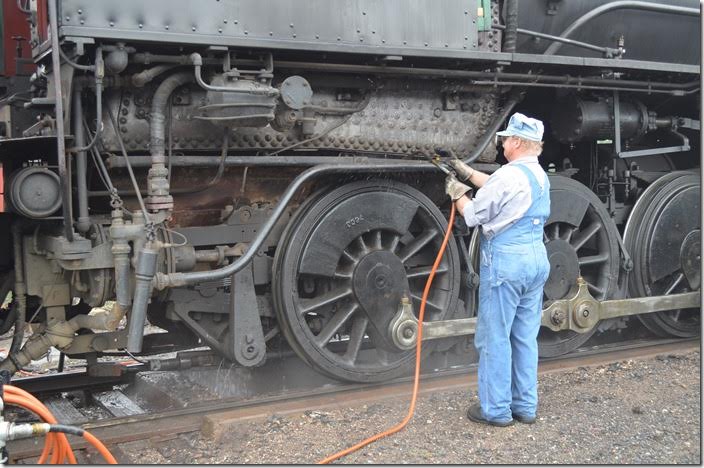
<point>362,245</point>
<point>337,320</point>
<point>344,275</point>
<point>568,234</point>
<point>594,259</point>
<point>596,290</point>
<point>309,305</point>
<point>546,239</point>
<point>674,284</point>
<point>556,231</point>
<point>420,272</point>
<point>377,238</point>
<point>417,244</point>
<point>394,243</point>
<point>585,235</point>
<point>359,326</point>
<point>427,302</point>
<point>676,315</point>
<point>349,256</point>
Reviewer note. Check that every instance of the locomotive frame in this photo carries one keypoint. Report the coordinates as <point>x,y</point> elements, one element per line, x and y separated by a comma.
<point>250,178</point>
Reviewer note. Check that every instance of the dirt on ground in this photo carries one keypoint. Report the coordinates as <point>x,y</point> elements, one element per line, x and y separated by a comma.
<point>636,411</point>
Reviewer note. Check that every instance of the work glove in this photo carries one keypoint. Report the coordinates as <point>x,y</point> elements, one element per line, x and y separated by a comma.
<point>454,188</point>
<point>463,170</point>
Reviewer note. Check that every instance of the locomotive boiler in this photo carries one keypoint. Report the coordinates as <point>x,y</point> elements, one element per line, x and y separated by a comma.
<point>252,176</point>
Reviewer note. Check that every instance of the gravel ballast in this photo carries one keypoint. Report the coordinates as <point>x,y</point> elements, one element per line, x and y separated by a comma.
<point>635,411</point>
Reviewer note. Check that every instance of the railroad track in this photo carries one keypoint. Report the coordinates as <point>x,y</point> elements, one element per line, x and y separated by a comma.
<point>143,408</point>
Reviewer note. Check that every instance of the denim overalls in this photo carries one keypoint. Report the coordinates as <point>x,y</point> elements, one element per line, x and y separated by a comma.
<point>514,268</point>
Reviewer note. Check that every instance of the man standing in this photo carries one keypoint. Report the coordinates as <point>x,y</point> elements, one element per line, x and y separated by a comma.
<point>511,205</point>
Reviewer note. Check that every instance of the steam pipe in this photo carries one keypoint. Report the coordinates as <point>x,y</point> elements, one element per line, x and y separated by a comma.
<point>630,4</point>
<point>488,136</point>
<point>183,279</point>
<point>60,133</point>
<point>83,224</point>
<point>511,34</point>
<point>158,182</point>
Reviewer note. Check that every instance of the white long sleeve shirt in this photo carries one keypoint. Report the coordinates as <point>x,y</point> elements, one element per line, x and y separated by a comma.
<point>504,198</point>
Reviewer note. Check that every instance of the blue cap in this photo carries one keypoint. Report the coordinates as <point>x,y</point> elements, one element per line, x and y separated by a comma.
<point>524,127</point>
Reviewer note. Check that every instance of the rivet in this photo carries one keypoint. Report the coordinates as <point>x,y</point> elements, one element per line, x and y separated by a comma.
<point>237,22</point>
<point>80,12</point>
<point>166,27</point>
<point>68,18</point>
<point>82,22</point>
<point>141,25</point>
<point>405,42</point>
<point>246,32</point>
<point>112,24</point>
<point>317,36</point>
<point>294,35</point>
<point>220,30</point>
<point>224,21</point>
<point>271,33</point>
<point>338,38</point>
<point>426,44</point>
<point>193,28</point>
<point>290,25</point>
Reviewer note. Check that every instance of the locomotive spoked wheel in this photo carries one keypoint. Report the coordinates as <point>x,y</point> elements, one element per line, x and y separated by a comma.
<point>581,240</point>
<point>344,262</point>
<point>663,238</point>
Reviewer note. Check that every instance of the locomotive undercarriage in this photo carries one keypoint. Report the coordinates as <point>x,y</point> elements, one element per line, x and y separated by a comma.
<point>311,180</point>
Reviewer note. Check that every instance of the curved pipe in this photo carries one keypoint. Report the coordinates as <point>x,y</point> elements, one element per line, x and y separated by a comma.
<point>160,102</point>
<point>511,35</point>
<point>197,61</point>
<point>183,279</point>
<point>145,76</point>
<point>488,136</point>
<point>631,4</point>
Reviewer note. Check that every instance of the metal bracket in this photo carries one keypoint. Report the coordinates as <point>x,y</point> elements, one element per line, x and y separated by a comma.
<point>247,343</point>
<point>646,152</point>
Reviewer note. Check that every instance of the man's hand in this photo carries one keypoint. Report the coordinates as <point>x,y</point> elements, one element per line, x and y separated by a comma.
<point>454,188</point>
<point>462,169</point>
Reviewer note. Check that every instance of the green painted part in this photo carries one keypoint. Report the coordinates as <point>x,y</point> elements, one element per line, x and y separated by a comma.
<point>484,23</point>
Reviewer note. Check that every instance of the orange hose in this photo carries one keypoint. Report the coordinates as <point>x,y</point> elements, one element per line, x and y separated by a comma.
<point>100,447</point>
<point>57,444</point>
<point>416,379</point>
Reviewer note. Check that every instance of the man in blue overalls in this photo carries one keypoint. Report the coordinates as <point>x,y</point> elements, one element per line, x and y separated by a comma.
<point>511,206</point>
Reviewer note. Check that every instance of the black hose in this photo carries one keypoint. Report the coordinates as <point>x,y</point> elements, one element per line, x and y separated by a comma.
<point>511,33</point>
<point>631,4</point>
<point>488,137</point>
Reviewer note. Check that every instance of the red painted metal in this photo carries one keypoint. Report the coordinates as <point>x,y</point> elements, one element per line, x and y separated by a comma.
<point>15,25</point>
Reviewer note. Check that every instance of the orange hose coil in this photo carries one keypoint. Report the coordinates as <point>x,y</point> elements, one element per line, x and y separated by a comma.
<point>56,444</point>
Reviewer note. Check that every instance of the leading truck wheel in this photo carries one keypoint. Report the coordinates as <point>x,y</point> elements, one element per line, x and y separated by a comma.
<point>342,266</point>
<point>663,235</point>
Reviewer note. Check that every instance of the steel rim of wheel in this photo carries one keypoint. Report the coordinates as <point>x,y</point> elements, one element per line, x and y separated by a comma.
<point>325,317</point>
<point>658,261</point>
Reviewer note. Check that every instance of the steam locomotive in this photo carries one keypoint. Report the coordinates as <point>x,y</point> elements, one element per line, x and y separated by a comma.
<point>252,175</point>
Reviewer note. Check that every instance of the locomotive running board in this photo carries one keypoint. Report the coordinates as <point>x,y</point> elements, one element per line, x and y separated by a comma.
<point>580,313</point>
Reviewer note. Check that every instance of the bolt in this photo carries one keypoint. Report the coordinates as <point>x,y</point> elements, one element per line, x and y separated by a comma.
<point>585,313</point>
<point>407,333</point>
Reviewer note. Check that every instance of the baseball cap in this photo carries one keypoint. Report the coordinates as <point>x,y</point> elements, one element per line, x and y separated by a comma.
<point>524,127</point>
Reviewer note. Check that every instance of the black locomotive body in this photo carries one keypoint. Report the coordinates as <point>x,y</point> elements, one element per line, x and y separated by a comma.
<point>253,175</point>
